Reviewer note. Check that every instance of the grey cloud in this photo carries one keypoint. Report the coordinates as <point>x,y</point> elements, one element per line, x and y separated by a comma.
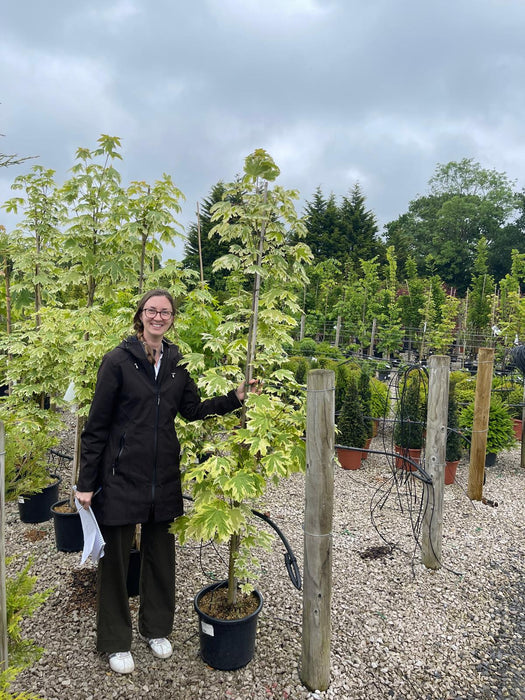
<point>339,89</point>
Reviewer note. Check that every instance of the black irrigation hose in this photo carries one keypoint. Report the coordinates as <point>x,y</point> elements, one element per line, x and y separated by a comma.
<point>289,558</point>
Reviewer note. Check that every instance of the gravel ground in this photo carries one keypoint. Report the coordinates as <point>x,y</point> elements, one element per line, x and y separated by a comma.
<point>399,630</point>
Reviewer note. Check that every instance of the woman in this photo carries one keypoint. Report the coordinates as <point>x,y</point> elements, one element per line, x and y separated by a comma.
<point>129,474</point>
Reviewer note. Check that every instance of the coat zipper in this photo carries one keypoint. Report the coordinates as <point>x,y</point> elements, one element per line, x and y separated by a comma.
<point>156,431</point>
<point>121,448</point>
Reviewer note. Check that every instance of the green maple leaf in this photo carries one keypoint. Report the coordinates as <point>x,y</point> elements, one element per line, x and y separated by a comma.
<point>215,520</point>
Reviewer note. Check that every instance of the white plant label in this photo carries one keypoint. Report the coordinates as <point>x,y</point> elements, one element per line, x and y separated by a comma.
<point>207,629</point>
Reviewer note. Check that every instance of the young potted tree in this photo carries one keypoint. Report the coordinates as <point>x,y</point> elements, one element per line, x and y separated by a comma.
<point>351,428</point>
<point>28,477</point>
<point>265,443</point>
<point>409,428</point>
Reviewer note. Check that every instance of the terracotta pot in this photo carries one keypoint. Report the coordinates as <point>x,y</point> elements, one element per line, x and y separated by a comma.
<point>349,459</point>
<point>518,426</point>
<point>410,452</point>
<point>364,455</point>
<point>450,471</point>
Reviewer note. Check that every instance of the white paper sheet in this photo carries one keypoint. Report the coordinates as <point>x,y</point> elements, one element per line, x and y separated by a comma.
<point>93,540</point>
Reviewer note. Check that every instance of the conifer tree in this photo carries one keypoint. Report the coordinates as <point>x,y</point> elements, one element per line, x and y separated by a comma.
<point>359,228</point>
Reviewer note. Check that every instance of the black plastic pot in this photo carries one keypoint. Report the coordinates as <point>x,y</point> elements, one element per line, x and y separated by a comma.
<point>37,507</point>
<point>226,644</point>
<point>490,459</point>
<point>68,529</point>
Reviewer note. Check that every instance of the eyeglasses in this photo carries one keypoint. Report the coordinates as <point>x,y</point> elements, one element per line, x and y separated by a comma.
<point>152,313</point>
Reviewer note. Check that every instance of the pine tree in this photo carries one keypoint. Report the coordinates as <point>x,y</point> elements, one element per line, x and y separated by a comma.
<point>359,228</point>
<point>323,230</point>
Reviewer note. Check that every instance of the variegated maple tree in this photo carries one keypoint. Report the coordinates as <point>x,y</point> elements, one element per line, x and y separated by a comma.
<point>265,444</point>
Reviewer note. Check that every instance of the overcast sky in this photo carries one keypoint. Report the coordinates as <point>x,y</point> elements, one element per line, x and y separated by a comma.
<point>338,91</point>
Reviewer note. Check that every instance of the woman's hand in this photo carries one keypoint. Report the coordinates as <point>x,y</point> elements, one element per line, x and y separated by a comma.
<point>84,498</point>
<point>255,387</point>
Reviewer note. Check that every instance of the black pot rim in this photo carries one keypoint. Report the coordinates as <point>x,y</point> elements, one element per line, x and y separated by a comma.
<point>61,503</point>
<point>223,584</point>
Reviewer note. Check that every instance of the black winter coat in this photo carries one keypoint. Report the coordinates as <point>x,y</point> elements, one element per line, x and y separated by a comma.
<point>129,448</point>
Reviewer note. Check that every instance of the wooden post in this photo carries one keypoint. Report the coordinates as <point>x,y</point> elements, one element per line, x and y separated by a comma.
<point>319,495</point>
<point>3,599</point>
<point>337,331</point>
<point>478,447</point>
<point>435,455</point>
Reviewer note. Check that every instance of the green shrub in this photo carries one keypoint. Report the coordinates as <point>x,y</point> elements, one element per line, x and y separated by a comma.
<point>307,346</point>
<point>500,434</point>
<point>379,398</point>
<point>299,366</point>
<point>454,447</point>
<point>27,442</point>
<point>21,603</point>
<point>465,391</point>
<point>342,378</point>
<point>301,371</point>
<point>365,396</point>
<point>351,424</point>
<point>6,678</point>
<point>324,348</point>
<point>408,430</point>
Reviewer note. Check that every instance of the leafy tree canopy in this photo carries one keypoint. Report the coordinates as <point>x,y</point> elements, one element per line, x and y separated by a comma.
<point>441,230</point>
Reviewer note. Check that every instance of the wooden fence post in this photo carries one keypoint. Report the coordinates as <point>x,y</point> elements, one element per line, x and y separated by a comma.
<point>435,455</point>
<point>3,599</point>
<point>480,424</point>
<point>319,496</point>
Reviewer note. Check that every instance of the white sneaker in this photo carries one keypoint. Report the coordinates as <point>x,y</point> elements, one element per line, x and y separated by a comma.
<point>121,662</point>
<point>160,646</point>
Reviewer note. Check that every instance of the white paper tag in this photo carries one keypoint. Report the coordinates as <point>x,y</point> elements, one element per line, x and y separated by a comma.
<point>207,629</point>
